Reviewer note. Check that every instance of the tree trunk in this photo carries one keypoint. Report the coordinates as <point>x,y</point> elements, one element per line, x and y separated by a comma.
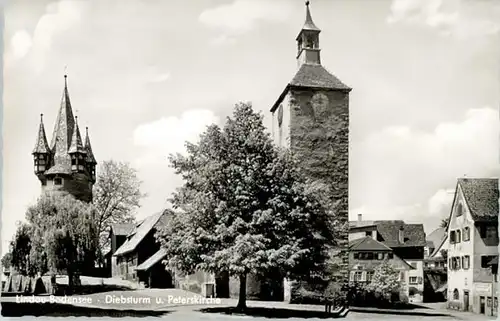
<point>242,299</point>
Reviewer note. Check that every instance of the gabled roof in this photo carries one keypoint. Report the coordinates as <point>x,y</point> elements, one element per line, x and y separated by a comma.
<point>139,232</point>
<point>367,243</point>
<point>152,260</point>
<point>76,140</point>
<point>122,228</point>
<point>481,196</point>
<point>413,234</point>
<point>435,238</point>
<point>440,246</point>
<point>312,76</point>
<point>41,146</point>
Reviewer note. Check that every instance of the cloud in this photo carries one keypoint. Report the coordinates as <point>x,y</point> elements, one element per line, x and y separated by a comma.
<point>401,172</point>
<point>59,17</point>
<point>21,43</point>
<point>169,134</point>
<point>450,17</point>
<point>241,16</point>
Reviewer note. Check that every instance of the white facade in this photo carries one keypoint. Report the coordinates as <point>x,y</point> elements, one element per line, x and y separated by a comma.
<point>469,286</point>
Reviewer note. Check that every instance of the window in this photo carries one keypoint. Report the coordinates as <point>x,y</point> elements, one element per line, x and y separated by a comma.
<point>390,256</point>
<point>456,294</point>
<point>452,237</point>
<point>369,256</point>
<point>357,276</point>
<point>369,276</point>
<point>413,280</point>
<point>485,259</point>
<point>356,255</point>
<point>380,256</point>
<point>491,232</point>
<point>458,238</point>
<point>73,161</point>
<point>450,262</point>
<point>57,181</point>
<point>460,209</point>
<point>402,276</point>
<point>466,234</point>
<point>465,262</point>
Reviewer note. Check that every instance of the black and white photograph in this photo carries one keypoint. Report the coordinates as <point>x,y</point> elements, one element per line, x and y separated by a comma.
<point>227,159</point>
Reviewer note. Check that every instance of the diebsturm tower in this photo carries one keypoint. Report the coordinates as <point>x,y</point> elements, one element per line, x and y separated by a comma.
<point>67,164</point>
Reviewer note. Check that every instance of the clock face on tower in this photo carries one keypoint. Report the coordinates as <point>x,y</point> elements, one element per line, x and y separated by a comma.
<point>320,105</point>
<point>280,115</point>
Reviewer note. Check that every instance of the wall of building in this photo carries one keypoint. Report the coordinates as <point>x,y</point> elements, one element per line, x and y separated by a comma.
<point>362,232</point>
<point>77,185</point>
<point>281,134</point>
<point>483,247</point>
<point>416,280</point>
<point>461,279</point>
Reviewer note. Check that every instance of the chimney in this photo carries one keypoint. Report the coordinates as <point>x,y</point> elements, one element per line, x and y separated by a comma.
<point>360,217</point>
<point>401,234</point>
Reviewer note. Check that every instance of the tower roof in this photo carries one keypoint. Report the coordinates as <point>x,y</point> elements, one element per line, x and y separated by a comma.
<point>76,140</point>
<point>64,126</point>
<point>41,146</point>
<point>309,23</point>
<point>88,148</point>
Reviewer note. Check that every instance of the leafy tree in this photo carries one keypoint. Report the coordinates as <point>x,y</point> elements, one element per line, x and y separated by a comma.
<point>244,207</point>
<point>444,222</point>
<point>385,280</point>
<point>7,260</point>
<point>21,248</point>
<point>116,197</point>
<point>63,236</point>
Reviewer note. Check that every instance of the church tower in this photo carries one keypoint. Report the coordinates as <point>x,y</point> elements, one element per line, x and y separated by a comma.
<point>66,165</point>
<point>311,119</point>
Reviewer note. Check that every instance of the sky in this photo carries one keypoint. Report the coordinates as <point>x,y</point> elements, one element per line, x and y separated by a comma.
<point>145,76</point>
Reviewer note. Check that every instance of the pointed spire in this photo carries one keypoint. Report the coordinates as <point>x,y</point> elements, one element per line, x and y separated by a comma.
<point>64,127</point>
<point>76,140</point>
<point>42,146</point>
<point>88,148</point>
<point>309,24</point>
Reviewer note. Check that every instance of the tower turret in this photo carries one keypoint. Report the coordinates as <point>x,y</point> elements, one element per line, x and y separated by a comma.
<point>63,166</point>
<point>76,151</point>
<point>91,162</point>
<point>308,51</point>
<point>41,153</point>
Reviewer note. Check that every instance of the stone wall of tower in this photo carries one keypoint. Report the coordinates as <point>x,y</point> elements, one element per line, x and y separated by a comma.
<point>77,184</point>
<point>319,139</point>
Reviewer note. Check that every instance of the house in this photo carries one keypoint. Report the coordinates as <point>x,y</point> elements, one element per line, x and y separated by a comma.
<point>473,246</point>
<point>366,253</point>
<point>407,241</point>
<point>117,235</point>
<point>435,266</point>
<point>139,258</point>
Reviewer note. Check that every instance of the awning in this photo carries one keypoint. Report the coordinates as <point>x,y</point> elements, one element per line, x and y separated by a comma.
<point>155,258</point>
<point>443,288</point>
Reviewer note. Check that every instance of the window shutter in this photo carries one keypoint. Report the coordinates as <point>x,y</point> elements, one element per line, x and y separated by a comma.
<point>351,276</point>
<point>363,276</point>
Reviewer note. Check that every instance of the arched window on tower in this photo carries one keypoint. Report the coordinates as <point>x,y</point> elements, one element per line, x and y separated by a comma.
<point>456,294</point>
